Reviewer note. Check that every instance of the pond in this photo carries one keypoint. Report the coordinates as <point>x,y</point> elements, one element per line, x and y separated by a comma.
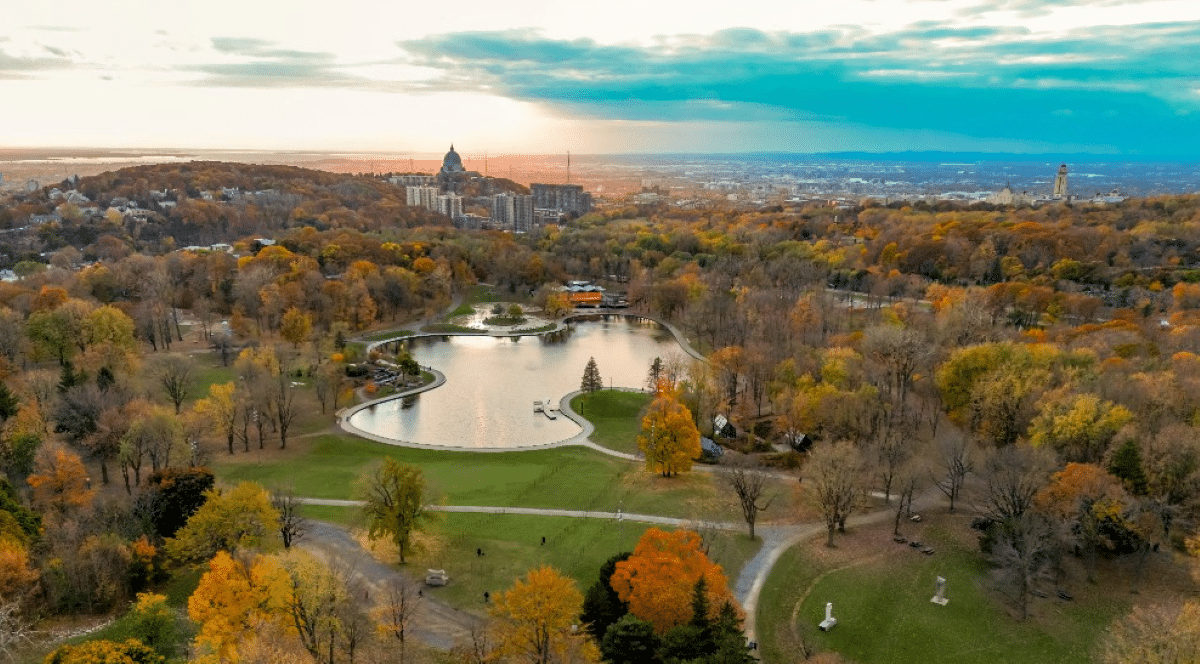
<point>492,382</point>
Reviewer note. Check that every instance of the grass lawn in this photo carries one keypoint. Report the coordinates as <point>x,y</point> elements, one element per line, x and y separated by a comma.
<point>881,592</point>
<point>475,295</point>
<point>616,415</point>
<point>384,336</point>
<point>328,465</point>
<point>209,372</point>
<point>511,544</point>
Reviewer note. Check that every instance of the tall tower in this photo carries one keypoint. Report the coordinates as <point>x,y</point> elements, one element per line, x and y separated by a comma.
<point>1060,183</point>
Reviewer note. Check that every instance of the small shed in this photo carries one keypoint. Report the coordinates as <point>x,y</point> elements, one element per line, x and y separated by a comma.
<point>801,442</point>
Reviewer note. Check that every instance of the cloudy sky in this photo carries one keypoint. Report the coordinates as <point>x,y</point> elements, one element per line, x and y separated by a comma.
<point>1045,76</point>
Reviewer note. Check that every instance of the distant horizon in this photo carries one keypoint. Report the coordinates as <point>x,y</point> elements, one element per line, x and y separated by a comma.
<point>58,152</point>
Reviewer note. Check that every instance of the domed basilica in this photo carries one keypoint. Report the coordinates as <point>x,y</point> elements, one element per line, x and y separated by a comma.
<point>453,176</point>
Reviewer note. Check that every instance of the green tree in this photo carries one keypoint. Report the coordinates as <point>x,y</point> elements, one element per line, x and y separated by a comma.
<point>591,377</point>
<point>9,405</point>
<point>171,496</point>
<point>630,640</point>
<point>1126,465</point>
<point>601,605</point>
<point>394,496</point>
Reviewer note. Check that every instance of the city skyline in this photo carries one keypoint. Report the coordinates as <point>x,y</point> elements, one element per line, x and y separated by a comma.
<point>1015,76</point>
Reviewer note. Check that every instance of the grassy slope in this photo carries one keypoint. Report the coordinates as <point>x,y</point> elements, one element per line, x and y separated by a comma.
<point>512,546</point>
<point>617,416</point>
<point>884,613</point>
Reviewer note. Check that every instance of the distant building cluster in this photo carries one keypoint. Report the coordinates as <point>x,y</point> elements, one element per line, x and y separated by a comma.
<point>444,193</point>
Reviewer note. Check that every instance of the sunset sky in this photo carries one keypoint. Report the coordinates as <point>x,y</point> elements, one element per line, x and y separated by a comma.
<point>605,76</point>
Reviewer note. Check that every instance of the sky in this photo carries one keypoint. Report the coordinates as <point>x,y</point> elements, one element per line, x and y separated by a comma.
<point>605,76</point>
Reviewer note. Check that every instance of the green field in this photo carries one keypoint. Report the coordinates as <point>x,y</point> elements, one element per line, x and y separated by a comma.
<point>885,616</point>
<point>511,544</point>
<point>565,477</point>
<point>616,416</point>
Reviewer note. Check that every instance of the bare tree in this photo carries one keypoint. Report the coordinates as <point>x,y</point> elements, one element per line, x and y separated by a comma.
<point>176,374</point>
<point>907,480</point>
<point>283,404</point>
<point>836,471</point>
<point>749,484</point>
<point>1024,554</point>
<point>16,630</point>
<point>952,460</point>
<point>292,525</point>
<point>479,647</point>
<point>400,602</point>
<point>1012,476</point>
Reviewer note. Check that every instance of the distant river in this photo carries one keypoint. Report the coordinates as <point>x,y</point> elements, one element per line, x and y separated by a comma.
<point>492,382</point>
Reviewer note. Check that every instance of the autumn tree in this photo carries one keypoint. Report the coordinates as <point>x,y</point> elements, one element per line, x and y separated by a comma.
<point>220,409</point>
<point>658,579</point>
<point>295,327</point>
<point>1090,501</point>
<point>325,609</point>
<point>234,598</point>
<point>60,483</point>
<point>591,377</point>
<point>669,439</point>
<point>835,473</point>
<point>536,618</point>
<point>1154,633</point>
<point>236,519</point>
<point>130,651</point>
<point>394,502</point>
<point>749,484</point>
<point>1079,427</point>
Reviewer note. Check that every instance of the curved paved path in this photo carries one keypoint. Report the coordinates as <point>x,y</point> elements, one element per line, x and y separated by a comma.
<point>776,539</point>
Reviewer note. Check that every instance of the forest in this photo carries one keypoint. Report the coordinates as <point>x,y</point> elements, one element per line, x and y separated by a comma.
<point>1040,366</point>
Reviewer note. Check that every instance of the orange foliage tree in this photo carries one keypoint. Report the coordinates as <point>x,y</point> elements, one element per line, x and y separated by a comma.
<point>60,482</point>
<point>234,598</point>
<point>669,438</point>
<point>658,579</point>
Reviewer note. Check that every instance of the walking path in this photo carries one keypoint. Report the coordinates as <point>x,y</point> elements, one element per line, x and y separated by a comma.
<point>776,539</point>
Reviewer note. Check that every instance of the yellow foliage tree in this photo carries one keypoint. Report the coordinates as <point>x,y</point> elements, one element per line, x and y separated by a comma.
<point>220,410</point>
<point>240,518</point>
<point>657,581</point>
<point>15,573</point>
<point>296,326</point>
<point>538,620</point>
<point>234,597</point>
<point>1080,427</point>
<point>669,438</point>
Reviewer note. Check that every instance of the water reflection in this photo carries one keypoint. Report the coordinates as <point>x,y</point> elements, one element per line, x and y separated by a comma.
<point>492,382</point>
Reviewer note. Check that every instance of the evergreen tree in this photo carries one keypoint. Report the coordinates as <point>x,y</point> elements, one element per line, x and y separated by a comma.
<point>601,606</point>
<point>1126,465</point>
<point>591,377</point>
<point>8,403</point>
<point>654,374</point>
<point>630,640</point>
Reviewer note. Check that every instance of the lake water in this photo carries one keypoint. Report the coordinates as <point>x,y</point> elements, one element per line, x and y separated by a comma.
<point>492,382</point>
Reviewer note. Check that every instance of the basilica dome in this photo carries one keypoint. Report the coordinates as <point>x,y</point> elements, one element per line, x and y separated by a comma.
<point>452,163</point>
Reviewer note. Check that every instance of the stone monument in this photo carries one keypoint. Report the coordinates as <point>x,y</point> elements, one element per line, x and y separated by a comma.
<point>940,597</point>
<point>829,621</point>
